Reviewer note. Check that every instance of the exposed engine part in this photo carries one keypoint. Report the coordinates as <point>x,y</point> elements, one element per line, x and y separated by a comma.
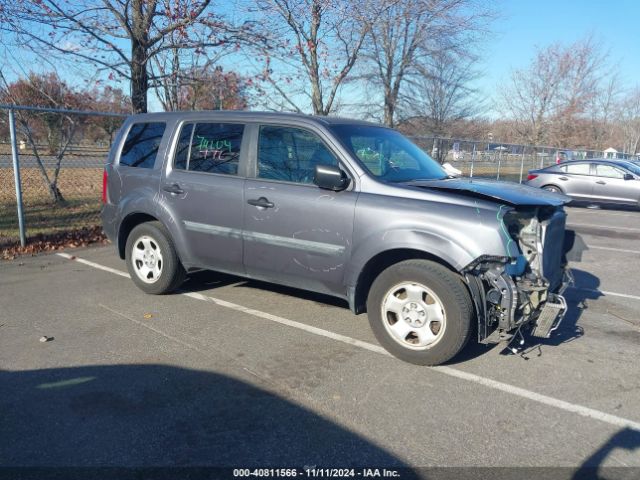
<point>511,292</point>
<point>494,296</point>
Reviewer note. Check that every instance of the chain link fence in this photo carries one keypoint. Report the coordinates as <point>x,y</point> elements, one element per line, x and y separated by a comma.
<point>61,155</point>
<point>502,161</point>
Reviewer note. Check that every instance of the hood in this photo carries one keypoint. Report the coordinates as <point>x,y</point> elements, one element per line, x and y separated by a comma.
<point>504,192</point>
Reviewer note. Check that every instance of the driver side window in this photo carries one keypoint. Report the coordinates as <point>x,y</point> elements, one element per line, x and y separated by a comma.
<point>291,154</point>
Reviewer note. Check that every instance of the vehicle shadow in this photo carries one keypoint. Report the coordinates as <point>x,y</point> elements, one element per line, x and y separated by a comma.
<point>585,288</point>
<point>592,469</point>
<point>207,279</point>
<point>164,416</point>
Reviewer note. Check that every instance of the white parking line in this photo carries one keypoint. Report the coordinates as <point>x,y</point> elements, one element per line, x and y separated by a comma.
<point>94,265</point>
<point>623,250</point>
<point>610,294</point>
<point>452,372</point>
<point>608,227</point>
<point>608,213</point>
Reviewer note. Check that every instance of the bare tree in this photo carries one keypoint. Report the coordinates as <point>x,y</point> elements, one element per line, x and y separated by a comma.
<point>443,92</point>
<point>313,47</point>
<point>601,112</point>
<point>408,33</point>
<point>629,121</point>
<point>118,36</point>
<point>545,99</point>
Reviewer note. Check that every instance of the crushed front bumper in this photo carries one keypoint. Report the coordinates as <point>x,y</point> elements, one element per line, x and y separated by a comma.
<point>505,305</point>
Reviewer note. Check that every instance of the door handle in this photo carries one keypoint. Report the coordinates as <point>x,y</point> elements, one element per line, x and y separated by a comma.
<point>564,178</point>
<point>600,182</point>
<point>172,188</point>
<point>261,202</point>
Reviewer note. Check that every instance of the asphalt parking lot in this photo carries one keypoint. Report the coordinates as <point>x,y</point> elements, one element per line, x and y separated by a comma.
<point>241,373</point>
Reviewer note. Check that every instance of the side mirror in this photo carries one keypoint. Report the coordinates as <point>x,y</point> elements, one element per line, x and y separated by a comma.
<point>628,176</point>
<point>331,177</point>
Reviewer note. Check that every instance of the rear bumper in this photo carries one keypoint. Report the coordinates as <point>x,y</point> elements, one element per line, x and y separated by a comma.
<point>108,217</point>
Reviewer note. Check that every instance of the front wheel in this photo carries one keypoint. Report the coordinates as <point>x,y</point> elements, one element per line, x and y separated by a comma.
<point>420,312</point>
<point>152,260</point>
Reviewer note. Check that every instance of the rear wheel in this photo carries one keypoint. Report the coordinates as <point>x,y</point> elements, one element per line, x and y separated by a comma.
<point>552,188</point>
<point>152,260</point>
<point>420,312</point>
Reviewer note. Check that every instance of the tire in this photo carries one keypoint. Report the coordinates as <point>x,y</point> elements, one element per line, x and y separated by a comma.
<point>151,259</point>
<point>552,188</point>
<point>429,338</point>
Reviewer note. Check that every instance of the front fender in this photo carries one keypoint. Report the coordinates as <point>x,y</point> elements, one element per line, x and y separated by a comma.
<point>432,243</point>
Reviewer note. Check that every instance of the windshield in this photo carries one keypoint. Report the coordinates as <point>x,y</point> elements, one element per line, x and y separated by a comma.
<point>633,166</point>
<point>387,154</point>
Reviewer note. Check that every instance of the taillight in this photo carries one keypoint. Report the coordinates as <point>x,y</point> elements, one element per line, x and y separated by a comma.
<point>531,176</point>
<point>105,178</point>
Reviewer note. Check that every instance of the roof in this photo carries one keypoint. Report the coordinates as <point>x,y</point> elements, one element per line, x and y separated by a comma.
<point>614,161</point>
<point>257,116</point>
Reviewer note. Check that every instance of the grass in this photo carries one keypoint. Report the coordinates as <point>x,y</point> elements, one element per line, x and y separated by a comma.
<point>81,188</point>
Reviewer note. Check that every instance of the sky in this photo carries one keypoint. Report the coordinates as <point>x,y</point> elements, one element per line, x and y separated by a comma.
<point>525,24</point>
<point>520,27</point>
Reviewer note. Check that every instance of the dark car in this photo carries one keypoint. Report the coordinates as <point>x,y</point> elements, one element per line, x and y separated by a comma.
<point>340,207</point>
<point>592,181</point>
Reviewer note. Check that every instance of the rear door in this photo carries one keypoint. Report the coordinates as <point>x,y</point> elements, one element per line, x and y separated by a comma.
<point>575,180</point>
<point>610,185</point>
<point>203,185</point>
<point>296,233</point>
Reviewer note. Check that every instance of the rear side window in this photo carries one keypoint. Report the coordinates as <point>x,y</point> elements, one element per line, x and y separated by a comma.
<point>142,143</point>
<point>209,148</point>
<point>577,168</point>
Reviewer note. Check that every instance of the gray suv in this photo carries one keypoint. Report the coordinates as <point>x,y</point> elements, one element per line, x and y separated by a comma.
<point>341,207</point>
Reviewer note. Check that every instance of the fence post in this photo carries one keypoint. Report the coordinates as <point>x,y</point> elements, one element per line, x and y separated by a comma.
<point>16,176</point>
<point>499,162</point>
<point>522,163</point>
<point>542,158</point>
<point>473,157</point>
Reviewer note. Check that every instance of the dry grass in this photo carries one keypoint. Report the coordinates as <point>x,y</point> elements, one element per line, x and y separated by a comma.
<point>81,188</point>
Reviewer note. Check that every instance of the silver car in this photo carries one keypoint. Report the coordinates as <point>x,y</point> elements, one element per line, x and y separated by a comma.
<point>592,181</point>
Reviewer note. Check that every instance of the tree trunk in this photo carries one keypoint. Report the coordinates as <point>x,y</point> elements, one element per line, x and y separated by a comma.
<point>389,110</point>
<point>139,76</point>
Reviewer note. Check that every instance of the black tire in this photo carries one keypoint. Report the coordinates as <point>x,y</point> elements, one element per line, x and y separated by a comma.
<point>171,275</point>
<point>454,299</point>
<point>552,188</point>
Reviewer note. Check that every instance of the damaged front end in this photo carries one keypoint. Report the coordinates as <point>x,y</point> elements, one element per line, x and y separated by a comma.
<point>523,288</point>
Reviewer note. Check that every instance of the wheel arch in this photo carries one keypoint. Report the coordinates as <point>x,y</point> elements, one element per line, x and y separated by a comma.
<point>130,222</point>
<point>552,185</point>
<point>381,261</point>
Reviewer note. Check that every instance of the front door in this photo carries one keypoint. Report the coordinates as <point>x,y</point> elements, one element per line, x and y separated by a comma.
<point>203,189</point>
<point>294,232</point>
<point>610,185</point>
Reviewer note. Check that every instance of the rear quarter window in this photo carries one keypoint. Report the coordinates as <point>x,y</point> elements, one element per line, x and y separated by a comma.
<point>141,145</point>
